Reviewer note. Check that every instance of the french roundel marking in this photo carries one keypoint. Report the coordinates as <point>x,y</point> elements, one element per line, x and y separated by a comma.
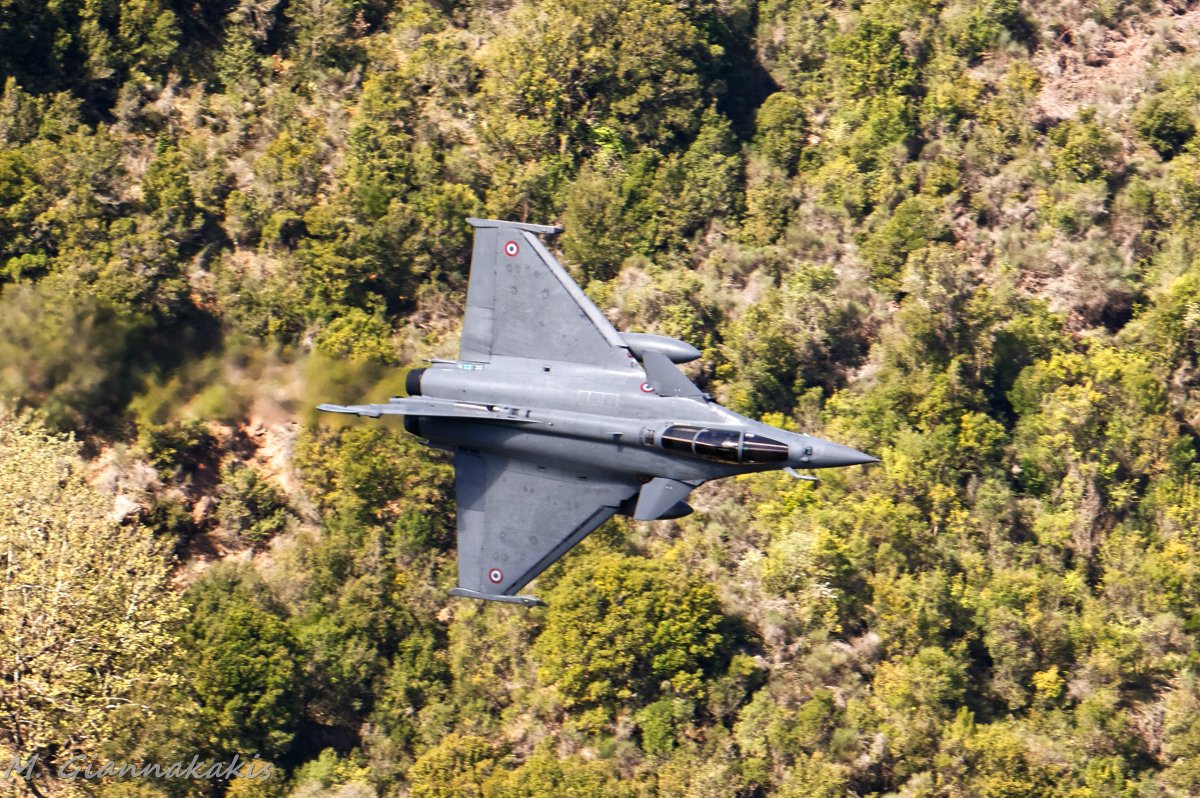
<point>647,388</point>
<point>495,576</point>
<point>511,249</point>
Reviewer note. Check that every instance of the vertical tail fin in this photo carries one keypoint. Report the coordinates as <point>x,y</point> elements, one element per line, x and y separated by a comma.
<point>522,303</point>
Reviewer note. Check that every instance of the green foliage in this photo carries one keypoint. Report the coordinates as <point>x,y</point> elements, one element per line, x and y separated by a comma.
<point>916,696</point>
<point>1170,328</point>
<point>355,616</point>
<point>975,27</point>
<point>874,78</point>
<point>692,188</point>
<point>65,352</point>
<point>1182,735</point>
<point>363,472</point>
<point>250,506</point>
<point>870,59</point>
<point>793,38</point>
<point>545,775</point>
<point>636,629</point>
<point>789,341</point>
<point>239,668</point>
<point>885,222</point>
<point>381,164</point>
<point>286,169</point>
<point>1083,149</point>
<point>600,215</point>
<point>781,126</point>
<point>87,613</point>
<point>915,223</point>
<point>1165,124</point>
<point>993,759</point>
<point>357,337</point>
<point>369,648</point>
<point>416,680</point>
<point>456,767</point>
<point>1097,419</point>
<point>661,722</point>
<point>173,445</point>
<point>1074,207</point>
<point>167,191</point>
<point>815,776</point>
<point>566,68</point>
<point>323,33</point>
<point>88,42</point>
<point>329,771</point>
<point>20,203</point>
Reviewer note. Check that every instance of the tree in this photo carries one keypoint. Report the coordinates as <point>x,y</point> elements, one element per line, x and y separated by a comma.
<point>1083,149</point>
<point>251,507</point>
<point>1164,123</point>
<point>64,352</point>
<point>241,689</point>
<point>620,629</point>
<point>546,775</point>
<point>454,768</point>
<point>565,69</point>
<point>87,610</point>
<point>1094,425</point>
<point>915,697</point>
<point>781,126</point>
<point>914,224</point>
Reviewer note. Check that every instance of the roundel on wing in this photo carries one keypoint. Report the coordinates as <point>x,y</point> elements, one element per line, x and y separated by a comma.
<point>495,576</point>
<point>511,249</point>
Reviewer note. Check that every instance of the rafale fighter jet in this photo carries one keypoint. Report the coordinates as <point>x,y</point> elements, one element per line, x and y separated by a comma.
<point>557,421</point>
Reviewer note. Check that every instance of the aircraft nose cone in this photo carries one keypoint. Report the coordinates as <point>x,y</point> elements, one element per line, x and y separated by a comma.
<point>834,455</point>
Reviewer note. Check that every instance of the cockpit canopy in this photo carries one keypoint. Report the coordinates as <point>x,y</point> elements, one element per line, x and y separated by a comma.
<point>730,446</point>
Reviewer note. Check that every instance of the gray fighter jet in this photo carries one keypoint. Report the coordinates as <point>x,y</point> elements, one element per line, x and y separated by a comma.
<point>557,421</point>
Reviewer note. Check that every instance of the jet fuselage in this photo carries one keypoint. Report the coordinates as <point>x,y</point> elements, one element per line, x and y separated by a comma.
<point>557,421</point>
<point>593,419</point>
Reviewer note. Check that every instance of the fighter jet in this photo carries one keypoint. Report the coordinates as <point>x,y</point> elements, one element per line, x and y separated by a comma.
<point>557,422</point>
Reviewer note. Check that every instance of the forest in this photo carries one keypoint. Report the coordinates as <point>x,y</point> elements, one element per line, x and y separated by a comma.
<point>961,235</point>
